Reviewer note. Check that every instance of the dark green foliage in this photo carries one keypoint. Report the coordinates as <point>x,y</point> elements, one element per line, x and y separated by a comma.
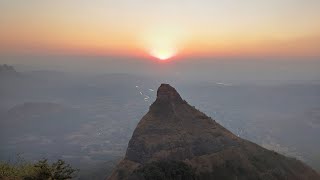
<point>165,170</point>
<point>42,170</point>
<point>58,170</point>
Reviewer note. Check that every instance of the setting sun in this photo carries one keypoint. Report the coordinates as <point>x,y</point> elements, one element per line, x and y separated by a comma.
<point>163,54</point>
<point>162,41</point>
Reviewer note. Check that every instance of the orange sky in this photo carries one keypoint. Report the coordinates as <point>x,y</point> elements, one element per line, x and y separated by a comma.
<point>165,28</point>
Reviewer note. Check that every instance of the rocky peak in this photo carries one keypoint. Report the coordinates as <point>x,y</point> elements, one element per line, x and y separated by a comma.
<point>168,99</point>
<point>173,130</point>
<point>168,93</point>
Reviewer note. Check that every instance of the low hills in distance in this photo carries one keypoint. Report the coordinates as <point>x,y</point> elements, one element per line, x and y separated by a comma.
<point>176,141</point>
<point>6,70</point>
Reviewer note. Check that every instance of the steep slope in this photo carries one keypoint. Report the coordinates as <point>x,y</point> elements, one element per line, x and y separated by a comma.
<point>173,130</point>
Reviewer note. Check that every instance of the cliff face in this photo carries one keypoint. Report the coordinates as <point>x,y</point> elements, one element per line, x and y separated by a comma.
<point>173,130</point>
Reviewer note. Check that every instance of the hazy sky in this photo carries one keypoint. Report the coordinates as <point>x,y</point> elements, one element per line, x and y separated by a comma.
<point>161,28</point>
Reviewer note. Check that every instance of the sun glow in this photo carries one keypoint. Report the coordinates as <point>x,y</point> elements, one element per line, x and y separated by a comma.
<point>163,46</point>
<point>163,42</point>
<point>163,54</point>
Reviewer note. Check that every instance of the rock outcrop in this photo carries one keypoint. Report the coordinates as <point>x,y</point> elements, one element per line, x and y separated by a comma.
<point>173,130</point>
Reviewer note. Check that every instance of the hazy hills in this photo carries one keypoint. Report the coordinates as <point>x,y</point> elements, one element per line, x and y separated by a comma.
<point>103,111</point>
<point>6,70</point>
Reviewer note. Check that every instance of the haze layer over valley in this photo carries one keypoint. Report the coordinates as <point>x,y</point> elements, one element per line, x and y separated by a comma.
<point>88,119</point>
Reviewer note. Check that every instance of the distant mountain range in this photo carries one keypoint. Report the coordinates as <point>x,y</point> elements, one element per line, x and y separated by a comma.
<point>176,141</point>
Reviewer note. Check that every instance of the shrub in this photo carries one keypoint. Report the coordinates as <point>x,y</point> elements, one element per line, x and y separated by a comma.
<point>41,170</point>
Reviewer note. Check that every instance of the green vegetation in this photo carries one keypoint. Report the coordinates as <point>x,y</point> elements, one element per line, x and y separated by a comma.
<point>165,170</point>
<point>41,170</point>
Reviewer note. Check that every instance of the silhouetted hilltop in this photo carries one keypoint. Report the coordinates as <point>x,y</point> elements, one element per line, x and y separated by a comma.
<point>6,70</point>
<point>175,140</point>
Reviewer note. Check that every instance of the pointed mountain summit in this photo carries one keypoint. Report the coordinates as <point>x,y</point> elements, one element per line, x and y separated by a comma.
<point>168,93</point>
<point>176,141</point>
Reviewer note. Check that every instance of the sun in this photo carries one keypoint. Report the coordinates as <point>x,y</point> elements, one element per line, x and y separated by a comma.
<point>163,54</point>
<point>162,41</point>
<point>163,47</point>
